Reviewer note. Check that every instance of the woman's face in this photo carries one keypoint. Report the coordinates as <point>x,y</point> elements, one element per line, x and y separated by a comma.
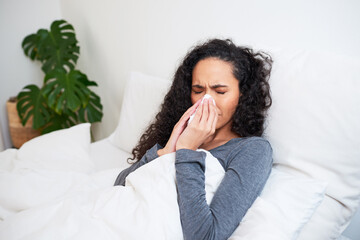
<point>215,77</point>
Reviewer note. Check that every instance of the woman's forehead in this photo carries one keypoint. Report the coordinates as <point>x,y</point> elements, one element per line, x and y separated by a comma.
<point>212,70</point>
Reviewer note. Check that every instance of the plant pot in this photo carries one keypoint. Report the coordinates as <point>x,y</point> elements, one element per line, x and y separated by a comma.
<point>19,133</point>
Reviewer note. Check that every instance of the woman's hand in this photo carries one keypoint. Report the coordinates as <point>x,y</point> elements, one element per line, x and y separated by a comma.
<point>202,127</point>
<point>178,130</point>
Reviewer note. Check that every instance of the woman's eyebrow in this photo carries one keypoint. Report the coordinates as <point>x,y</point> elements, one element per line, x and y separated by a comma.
<point>213,86</point>
<point>218,86</point>
<point>197,86</point>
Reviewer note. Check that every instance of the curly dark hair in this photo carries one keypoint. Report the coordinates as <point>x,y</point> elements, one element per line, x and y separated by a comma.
<point>251,69</point>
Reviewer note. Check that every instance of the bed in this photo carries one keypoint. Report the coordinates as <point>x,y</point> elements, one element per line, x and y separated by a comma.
<point>60,184</point>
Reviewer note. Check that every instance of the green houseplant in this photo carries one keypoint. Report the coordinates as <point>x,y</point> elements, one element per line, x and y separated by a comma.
<point>65,98</point>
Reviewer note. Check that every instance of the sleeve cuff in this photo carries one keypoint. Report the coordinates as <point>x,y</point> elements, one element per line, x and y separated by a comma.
<point>190,156</point>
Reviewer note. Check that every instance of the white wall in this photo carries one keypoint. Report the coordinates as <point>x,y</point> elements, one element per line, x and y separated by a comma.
<point>2,145</point>
<point>18,18</point>
<point>117,36</point>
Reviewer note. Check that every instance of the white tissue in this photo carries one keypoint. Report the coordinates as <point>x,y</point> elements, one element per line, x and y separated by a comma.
<point>204,97</point>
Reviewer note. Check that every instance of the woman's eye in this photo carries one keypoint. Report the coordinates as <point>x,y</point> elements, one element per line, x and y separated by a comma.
<point>220,92</point>
<point>197,92</point>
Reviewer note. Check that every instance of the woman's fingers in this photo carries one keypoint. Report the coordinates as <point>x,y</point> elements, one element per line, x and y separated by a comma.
<point>205,111</point>
<point>190,111</point>
<point>181,124</point>
<point>178,130</point>
<point>199,111</point>
<point>204,121</point>
<point>208,116</point>
<point>213,116</point>
<point>201,128</point>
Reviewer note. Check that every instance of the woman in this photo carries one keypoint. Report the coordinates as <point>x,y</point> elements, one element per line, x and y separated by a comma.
<point>230,129</point>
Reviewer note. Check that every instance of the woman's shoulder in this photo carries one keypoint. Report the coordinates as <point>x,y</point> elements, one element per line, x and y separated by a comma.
<point>255,145</point>
<point>253,141</point>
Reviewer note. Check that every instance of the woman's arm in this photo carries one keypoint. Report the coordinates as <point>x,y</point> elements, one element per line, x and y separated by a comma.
<point>158,150</point>
<point>150,155</point>
<point>248,169</point>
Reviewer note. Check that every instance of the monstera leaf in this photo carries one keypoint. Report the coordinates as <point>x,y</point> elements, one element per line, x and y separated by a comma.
<point>56,48</point>
<point>32,103</point>
<point>65,98</point>
<point>57,122</point>
<point>92,112</point>
<point>67,90</point>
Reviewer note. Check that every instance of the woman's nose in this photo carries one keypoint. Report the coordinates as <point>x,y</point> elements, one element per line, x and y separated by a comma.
<point>208,92</point>
<point>210,98</point>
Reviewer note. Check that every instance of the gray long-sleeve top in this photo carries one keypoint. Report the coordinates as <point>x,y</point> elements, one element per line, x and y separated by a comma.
<point>247,163</point>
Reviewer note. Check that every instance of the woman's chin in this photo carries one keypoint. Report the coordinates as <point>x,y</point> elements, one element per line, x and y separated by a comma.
<point>220,125</point>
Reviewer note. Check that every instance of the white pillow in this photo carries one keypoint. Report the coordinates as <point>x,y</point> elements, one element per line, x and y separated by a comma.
<point>314,129</point>
<point>285,205</point>
<point>142,99</point>
<point>62,150</point>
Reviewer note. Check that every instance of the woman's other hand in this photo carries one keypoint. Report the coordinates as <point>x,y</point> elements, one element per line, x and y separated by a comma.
<point>178,130</point>
<point>201,127</point>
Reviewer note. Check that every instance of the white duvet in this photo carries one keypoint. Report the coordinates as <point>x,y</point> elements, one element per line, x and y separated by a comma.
<point>50,204</point>
<point>49,190</point>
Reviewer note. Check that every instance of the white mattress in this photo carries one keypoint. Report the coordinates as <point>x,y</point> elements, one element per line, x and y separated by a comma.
<point>105,155</point>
